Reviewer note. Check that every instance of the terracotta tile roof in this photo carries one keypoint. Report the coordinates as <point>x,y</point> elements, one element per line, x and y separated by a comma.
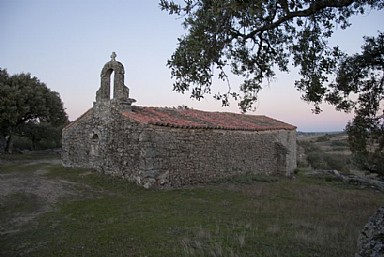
<point>190,118</point>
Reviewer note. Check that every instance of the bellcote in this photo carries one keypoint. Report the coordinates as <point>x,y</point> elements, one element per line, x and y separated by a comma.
<point>120,91</point>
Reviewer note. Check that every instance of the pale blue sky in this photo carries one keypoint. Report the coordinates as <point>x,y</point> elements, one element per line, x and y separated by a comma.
<point>65,43</point>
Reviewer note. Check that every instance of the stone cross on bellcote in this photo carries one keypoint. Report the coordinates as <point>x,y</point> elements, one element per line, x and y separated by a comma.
<point>113,56</point>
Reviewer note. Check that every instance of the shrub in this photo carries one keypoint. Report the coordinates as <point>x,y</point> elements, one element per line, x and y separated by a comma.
<point>337,161</point>
<point>25,143</point>
<point>339,143</point>
<point>324,138</point>
<point>319,159</point>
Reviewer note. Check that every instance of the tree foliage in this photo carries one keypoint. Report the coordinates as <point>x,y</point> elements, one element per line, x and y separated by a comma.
<point>363,74</point>
<point>252,39</point>
<point>27,106</point>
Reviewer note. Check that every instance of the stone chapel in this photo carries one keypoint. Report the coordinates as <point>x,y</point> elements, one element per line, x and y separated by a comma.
<point>173,147</point>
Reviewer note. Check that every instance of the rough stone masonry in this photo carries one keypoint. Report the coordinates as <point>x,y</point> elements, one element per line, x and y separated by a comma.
<point>173,147</point>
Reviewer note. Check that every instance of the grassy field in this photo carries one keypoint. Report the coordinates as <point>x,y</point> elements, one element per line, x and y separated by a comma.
<point>49,210</point>
<point>325,151</point>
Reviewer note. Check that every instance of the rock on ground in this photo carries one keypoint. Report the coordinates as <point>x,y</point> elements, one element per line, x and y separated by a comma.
<point>371,238</point>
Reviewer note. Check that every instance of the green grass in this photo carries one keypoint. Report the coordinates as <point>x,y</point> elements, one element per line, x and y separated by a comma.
<point>248,216</point>
<point>19,202</point>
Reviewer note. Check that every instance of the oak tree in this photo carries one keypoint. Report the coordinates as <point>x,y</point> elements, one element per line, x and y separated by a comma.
<point>252,39</point>
<point>362,75</point>
<point>26,104</point>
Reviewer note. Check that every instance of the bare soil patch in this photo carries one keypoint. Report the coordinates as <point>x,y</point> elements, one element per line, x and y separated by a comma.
<point>31,193</point>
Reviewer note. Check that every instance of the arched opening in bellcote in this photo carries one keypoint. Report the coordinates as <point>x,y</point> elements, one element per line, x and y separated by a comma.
<point>110,84</point>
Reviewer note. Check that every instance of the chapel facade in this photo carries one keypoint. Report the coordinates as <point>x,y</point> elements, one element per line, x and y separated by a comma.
<point>173,147</point>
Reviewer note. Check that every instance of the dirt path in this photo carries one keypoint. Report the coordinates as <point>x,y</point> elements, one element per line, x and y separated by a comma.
<point>26,192</point>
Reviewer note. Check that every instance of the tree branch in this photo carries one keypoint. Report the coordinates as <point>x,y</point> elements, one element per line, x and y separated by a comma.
<point>316,6</point>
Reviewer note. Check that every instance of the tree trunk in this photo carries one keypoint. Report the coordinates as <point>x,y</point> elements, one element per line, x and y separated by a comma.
<point>34,142</point>
<point>8,144</point>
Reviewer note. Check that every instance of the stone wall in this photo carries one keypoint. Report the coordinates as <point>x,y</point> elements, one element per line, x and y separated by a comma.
<point>176,157</point>
<point>154,155</point>
<point>76,142</point>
